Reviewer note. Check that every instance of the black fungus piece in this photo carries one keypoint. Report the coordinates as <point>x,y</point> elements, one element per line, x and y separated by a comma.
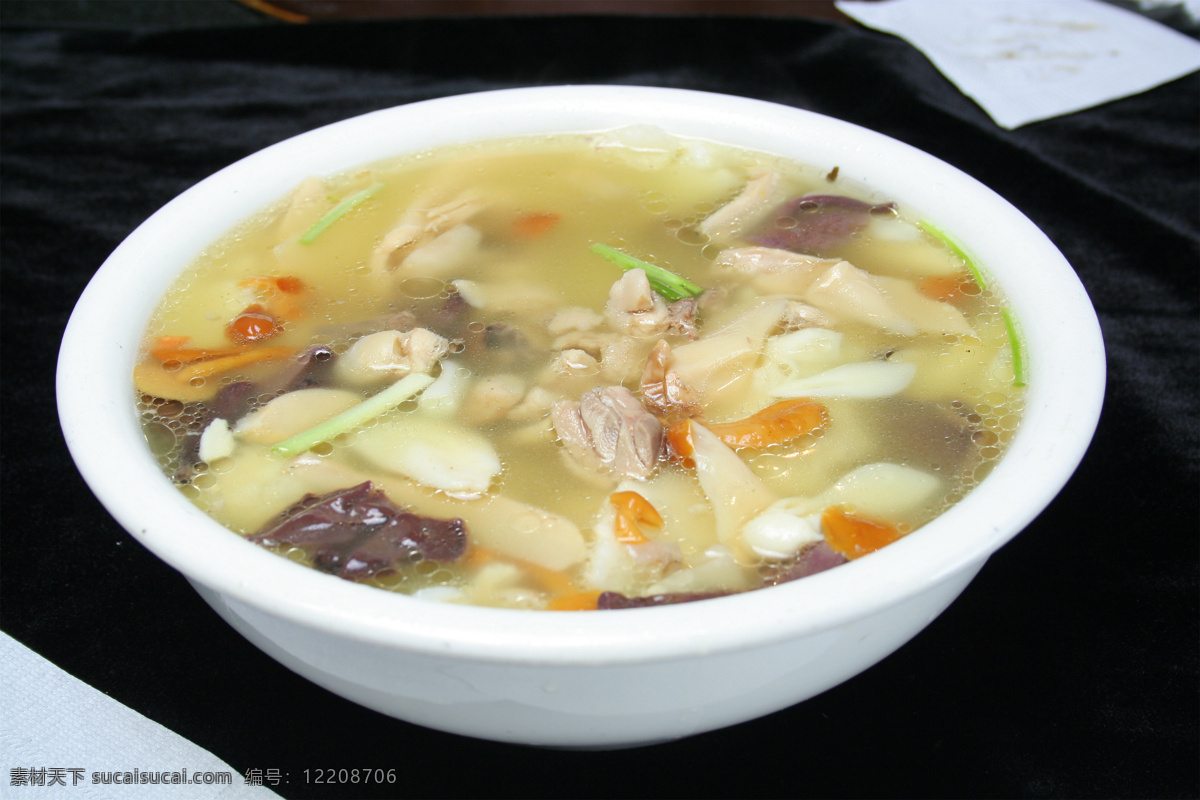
<point>936,438</point>
<point>816,224</point>
<point>310,369</point>
<point>499,336</point>
<point>358,532</point>
<point>614,600</point>
<point>230,402</point>
<point>502,345</point>
<point>451,317</point>
<point>809,561</point>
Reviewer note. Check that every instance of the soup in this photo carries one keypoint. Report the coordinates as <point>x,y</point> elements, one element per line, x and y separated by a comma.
<point>580,372</point>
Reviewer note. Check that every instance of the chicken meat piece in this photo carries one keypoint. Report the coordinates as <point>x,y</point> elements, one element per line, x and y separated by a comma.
<point>419,224</point>
<point>634,308</point>
<point>664,391</point>
<point>610,431</point>
<point>390,355</point>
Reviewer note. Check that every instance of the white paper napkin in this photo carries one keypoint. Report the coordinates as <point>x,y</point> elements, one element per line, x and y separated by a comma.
<point>1027,60</point>
<point>56,731</point>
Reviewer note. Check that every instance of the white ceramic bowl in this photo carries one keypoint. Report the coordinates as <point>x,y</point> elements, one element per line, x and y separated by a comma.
<point>602,679</point>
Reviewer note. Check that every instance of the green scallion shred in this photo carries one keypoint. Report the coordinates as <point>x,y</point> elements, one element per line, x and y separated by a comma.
<point>337,212</point>
<point>1014,342</point>
<point>665,282</point>
<point>956,249</point>
<point>374,406</point>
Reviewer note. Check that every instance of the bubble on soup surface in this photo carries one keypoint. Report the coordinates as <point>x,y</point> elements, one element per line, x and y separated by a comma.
<point>982,470</point>
<point>423,288</point>
<point>160,438</point>
<point>654,202</point>
<point>296,554</point>
<point>985,438</point>
<point>222,465</point>
<point>204,481</point>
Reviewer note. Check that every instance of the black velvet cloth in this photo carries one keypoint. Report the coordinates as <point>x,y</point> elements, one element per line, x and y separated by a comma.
<point>1068,668</point>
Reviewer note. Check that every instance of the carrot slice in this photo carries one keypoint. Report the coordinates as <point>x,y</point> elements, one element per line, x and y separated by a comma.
<point>575,601</point>
<point>215,366</point>
<point>283,296</point>
<point>680,443</point>
<point>477,556</point>
<point>171,348</point>
<point>565,595</point>
<point>945,287</point>
<point>531,226</point>
<point>550,580</point>
<point>854,536</point>
<point>776,424</point>
<point>632,511</point>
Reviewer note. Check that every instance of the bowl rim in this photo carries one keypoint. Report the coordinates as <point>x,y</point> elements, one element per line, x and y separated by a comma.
<point>1063,341</point>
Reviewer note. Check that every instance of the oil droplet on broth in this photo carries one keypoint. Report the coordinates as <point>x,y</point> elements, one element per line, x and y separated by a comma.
<point>160,438</point>
<point>423,288</point>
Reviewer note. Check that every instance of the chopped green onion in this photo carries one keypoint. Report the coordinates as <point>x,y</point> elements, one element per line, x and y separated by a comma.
<point>339,211</point>
<point>663,281</point>
<point>374,406</point>
<point>954,248</point>
<point>1018,361</point>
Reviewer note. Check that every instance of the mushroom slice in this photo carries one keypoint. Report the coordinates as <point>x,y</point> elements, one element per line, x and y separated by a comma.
<point>863,380</point>
<point>432,451</point>
<point>848,293</point>
<point>735,493</point>
<point>752,204</point>
<point>292,413</point>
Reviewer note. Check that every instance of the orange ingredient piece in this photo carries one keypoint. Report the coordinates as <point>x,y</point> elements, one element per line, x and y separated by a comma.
<point>171,348</point>
<point>253,325</point>
<point>282,296</point>
<point>531,226</point>
<point>565,595</point>
<point>288,285</point>
<point>216,366</point>
<point>633,511</point>
<point>945,288</point>
<point>777,423</point>
<point>854,536</point>
<point>576,601</point>
<point>549,580</point>
<point>680,443</point>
